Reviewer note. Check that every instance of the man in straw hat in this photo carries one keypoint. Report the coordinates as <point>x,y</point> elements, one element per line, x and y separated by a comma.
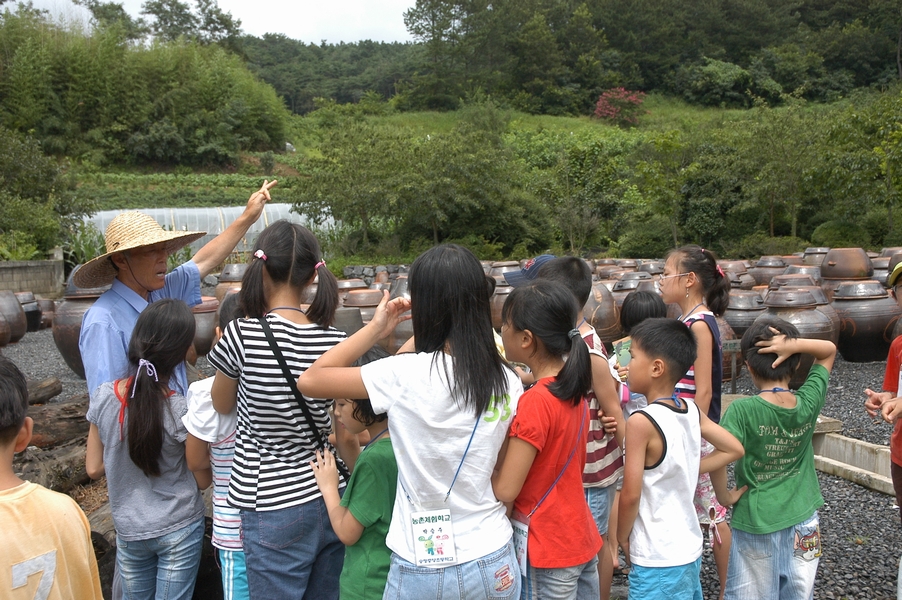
<point>135,262</point>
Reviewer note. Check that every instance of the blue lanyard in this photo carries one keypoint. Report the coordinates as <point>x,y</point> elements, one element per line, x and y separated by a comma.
<point>579,434</point>
<point>675,398</point>
<point>775,390</point>
<point>470,441</point>
<point>379,435</point>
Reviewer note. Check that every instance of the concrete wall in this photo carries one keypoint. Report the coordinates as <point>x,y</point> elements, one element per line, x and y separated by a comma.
<point>44,277</point>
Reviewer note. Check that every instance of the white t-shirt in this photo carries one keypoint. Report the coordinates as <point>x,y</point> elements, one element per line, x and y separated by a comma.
<point>204,423</point>
<point>429,435</point>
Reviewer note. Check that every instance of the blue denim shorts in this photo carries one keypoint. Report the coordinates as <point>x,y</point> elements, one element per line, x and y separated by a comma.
<point>600,500</point>
<point>579,582</point>
<point>495,576</point>
<point>667,583</point>
<point>780,565</point>
<point>162,567</point>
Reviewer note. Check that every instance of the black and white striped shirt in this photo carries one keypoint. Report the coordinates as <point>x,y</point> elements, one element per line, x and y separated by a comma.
<point>275,443</point>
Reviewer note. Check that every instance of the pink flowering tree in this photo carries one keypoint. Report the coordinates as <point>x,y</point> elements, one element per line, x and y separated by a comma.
<point>620,106</point>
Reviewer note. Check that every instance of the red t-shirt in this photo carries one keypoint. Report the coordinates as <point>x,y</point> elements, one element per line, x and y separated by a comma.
<point>562,532</point>
<point>891,384</point>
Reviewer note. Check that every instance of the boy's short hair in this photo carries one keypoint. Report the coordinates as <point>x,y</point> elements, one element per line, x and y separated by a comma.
<point>13,400</point>
<point>669,340</point>
<point>363,409</point>
<point>571,272</point>
<point>229,310</point>
<point>638,306</point>
<point>761,365</point>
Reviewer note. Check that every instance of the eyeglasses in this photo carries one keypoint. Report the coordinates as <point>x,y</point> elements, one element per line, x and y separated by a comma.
<point>660,281</point>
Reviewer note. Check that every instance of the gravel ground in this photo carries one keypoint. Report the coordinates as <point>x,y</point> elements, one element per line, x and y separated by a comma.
<point>861,529</point>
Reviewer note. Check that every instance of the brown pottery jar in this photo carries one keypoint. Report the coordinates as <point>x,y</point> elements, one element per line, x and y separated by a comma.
<point>67,321</point>
<point>205,322</point>
<point>815,255</point>
<point>868,315</point>
<point>813,271</point>
<point>881,269</point>
<point>366,300</point>
<point>822,305</point>
<point>32,310</point>
<point>766,268</point>
<point>48,307</point>
<point>799,308</point>
<point>745,306</point>
<point>15,316</point>
<point>497,302</point>
<point>230,277</point>
<point>602,313</point>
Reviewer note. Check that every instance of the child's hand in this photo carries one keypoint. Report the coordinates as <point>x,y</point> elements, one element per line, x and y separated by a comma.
<point>891,410</point>
<point>624,372</point>
<point>609,424</point>
<point>776,345</point>
<point>875,401</point>
<point>325,470</point>
<point>732,496</point>
<point>389,313</point>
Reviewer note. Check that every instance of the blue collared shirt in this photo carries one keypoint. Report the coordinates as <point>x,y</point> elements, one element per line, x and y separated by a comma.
<point>107,327</point>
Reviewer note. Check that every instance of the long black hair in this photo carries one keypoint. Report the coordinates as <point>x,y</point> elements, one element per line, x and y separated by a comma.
<point>291,254</point>
<point>449,302</point>
<point>715,285</point>
<point>549,311</point>
<point>162,335</point>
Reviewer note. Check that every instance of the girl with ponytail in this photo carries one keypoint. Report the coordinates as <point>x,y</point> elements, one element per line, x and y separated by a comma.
<point>693,280</point>
<point>137,440</point>
<point>540,468</point>
<point>290,548</point>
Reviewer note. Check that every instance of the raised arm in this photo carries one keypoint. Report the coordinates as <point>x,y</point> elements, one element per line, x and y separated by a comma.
<point>823,351</point>
<point>218,249</point>
<point>331,376</point>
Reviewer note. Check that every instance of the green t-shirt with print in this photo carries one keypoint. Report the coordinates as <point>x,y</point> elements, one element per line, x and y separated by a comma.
<point>778,465</point>
<point>370,496</point>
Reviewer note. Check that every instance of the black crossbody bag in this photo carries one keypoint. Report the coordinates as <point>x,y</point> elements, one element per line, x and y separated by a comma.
<point>299,397</point>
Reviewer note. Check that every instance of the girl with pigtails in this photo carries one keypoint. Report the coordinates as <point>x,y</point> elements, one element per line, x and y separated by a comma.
<point>137,440</point>
<point>693,280</point>
<point>290,547</point>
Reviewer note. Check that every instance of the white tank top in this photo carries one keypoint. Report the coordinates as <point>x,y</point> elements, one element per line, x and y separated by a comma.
<point>666,532</point>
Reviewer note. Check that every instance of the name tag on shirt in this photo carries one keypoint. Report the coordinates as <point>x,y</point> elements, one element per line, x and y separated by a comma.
<point>433,538</point>
<point>520,524</point>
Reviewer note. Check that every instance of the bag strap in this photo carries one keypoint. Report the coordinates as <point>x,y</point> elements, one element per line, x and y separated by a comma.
<point>299,398</point>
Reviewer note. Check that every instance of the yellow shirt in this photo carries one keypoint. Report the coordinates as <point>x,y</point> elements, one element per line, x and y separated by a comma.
<point>47,551</point>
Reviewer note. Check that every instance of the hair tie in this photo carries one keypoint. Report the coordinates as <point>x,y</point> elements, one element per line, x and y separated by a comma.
<point>259,254</point>
<point>573,333</point>
<point>719,270</point>
<point>321,263</point>
<point>151,372</point>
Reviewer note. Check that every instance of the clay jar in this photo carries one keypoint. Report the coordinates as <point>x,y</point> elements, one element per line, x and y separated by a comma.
<point>497,302</point>
<point>881,269</point>
<point>4,331</point>
<point>727,333</point>
<point>602,313</point>
<point>205,324</point>
<point>366,300</point>
<point>67,322</point>
<point>32,310</point>
<point>868,315</point>
<point>48,307</point>
<point>890,251</point>
<point>766,268</point>
<point>799,308</point>
<point>349,320</point>
<point>745,306</point>
<point>822,305</point>
<point>404,330</point>
<point>738,267</point>
<point>815,255</point>
<point>230,277</point>
<point>813,271</point>
<point>15,316</point>
<point>630,282</point>
<point>505,266</point>
<point>844,264</point>
<point>606,271</point>
<point>345,286</point>
<point>794,280</point>
<point>652,267</point>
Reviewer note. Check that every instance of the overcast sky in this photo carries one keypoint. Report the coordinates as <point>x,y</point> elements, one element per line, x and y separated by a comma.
<point>310,21</point>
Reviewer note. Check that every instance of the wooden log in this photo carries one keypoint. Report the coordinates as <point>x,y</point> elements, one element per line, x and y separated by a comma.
<point>60,422</point>
<point>59,469</point>
<point>40,392</point>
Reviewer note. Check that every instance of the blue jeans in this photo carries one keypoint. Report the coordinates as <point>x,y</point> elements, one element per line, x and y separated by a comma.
<point>163,568</point>
<point>668,583</point>
<point>600,500</point>
<point>579,582</point>
<point>495,576</point>
<point>781,565</point>
<point>292,552</point>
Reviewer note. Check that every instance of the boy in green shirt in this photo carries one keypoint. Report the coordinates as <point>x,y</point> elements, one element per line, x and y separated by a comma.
<point>362,516</point>
<point>776,537</point>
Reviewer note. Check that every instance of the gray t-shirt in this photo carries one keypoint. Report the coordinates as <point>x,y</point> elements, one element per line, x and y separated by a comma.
<point>146,507</point>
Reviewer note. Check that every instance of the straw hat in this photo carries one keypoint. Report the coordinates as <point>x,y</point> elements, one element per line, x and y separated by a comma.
<point>128,231</point>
